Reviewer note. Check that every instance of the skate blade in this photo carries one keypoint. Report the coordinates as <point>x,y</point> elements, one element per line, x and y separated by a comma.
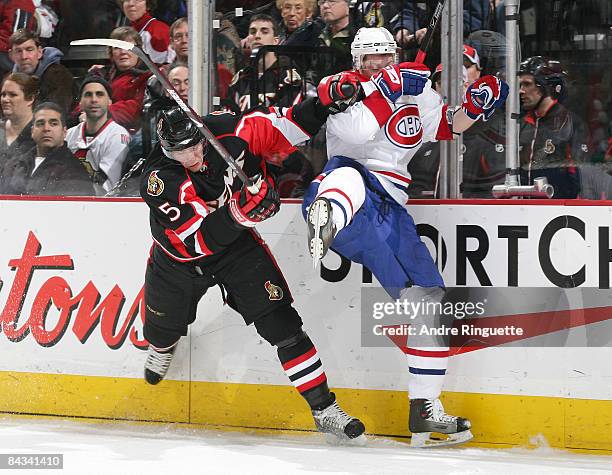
<point>422,440</point>
<point>318,214</point>
<point>342,440</point>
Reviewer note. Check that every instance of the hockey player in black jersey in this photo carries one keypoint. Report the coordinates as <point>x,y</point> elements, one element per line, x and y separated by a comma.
<point>202,222</point>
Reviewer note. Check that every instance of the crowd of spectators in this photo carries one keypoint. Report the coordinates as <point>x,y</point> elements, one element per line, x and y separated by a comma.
<point>264,56</point>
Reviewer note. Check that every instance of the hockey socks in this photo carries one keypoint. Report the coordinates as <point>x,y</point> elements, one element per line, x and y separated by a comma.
<point>302,365</point>
<point>345,190</point>
<point>427,368</point>
<point>301,362</point>
<point>426,353</point>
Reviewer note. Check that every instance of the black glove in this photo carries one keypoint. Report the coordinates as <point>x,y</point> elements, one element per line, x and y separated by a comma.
<point>248,208</point>
<point>340,91</point>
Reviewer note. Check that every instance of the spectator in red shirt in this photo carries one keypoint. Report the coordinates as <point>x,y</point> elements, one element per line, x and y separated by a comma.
<point>155,34</point>
<point>127,80</point>
<point>14,15</point>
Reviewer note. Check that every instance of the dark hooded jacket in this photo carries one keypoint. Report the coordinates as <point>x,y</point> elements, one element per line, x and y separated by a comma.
<point>56,81</point>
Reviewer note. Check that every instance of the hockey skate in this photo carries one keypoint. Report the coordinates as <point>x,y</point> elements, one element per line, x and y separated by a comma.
<point>427,416</point>
<point>321,229</point>
<point>157,364</point>
<point>333,420</point>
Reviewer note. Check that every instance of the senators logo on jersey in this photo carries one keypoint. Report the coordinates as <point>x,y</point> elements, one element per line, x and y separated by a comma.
<point>274,291</point>
<point>404,127</point>
<point>155,185</point>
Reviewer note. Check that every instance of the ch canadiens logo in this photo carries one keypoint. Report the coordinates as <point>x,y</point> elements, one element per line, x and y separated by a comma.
<point>404,127</point>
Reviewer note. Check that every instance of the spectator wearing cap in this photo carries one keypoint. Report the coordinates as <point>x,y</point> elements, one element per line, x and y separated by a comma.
<point>484,156</point>
<point>483,144</point>
<point>436,78</point>
<point>99,142</point>
<point>49,168</point>
<point>155,34</point>
<point>56,81</point>
<point>424,168</point>
<point>471,61</point>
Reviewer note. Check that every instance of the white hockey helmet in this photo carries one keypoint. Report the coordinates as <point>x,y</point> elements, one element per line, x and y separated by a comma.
<point>372,41</point>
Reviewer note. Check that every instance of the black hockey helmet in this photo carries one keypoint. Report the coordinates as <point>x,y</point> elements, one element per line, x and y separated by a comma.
<point>176,131</point>
<point>548,74</point>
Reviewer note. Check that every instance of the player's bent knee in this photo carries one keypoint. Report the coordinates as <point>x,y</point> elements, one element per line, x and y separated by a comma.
<point>279,326</point>
<point>347,179</point>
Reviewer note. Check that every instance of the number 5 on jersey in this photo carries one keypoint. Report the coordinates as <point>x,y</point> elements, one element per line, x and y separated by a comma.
<point>172,211</point>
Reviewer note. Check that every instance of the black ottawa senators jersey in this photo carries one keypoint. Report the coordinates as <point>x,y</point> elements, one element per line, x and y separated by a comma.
<point>188,216</point>
<point>558,139</point>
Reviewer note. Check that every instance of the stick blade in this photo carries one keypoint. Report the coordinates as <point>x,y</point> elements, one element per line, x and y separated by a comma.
<point>103,42</point>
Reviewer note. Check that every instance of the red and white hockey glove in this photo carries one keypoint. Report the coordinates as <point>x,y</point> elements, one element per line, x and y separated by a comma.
<point>248,209</point>
<point>484,96</point>
<point>339,92</point>
<point>404,79</point>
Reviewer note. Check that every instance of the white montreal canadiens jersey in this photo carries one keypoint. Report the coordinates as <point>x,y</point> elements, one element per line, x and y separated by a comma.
<point>384,137</point>
<point>105,151</point>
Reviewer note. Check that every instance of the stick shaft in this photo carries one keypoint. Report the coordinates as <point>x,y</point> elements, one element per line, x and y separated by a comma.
<point>194,117</point>
<point>431,28</point>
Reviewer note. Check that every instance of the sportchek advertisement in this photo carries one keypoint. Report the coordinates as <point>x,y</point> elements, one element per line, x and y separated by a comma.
<point>71,299</point>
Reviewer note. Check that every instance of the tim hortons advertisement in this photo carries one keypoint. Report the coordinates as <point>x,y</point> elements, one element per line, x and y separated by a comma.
<point>71,278</point>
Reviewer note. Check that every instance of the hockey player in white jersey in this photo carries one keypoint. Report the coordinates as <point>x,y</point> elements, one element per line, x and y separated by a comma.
<point>357,204</point>
<point>100,143</point>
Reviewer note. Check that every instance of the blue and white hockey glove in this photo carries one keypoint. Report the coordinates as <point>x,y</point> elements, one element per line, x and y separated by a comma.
<point>484,96</point>
<point>406,79</point>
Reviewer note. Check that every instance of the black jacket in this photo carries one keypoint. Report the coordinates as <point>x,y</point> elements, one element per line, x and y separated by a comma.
<point>60,174</point>
<point>554,146</point>
<point>21,145</point>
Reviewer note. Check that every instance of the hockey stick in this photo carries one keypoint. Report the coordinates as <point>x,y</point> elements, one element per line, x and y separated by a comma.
<point>191,114</point>
<point>431,28</point>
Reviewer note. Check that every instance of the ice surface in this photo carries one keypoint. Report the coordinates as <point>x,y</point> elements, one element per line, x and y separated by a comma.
<point>132,448</point>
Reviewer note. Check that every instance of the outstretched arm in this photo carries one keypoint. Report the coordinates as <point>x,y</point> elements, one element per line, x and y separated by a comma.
<point>461,122</point>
